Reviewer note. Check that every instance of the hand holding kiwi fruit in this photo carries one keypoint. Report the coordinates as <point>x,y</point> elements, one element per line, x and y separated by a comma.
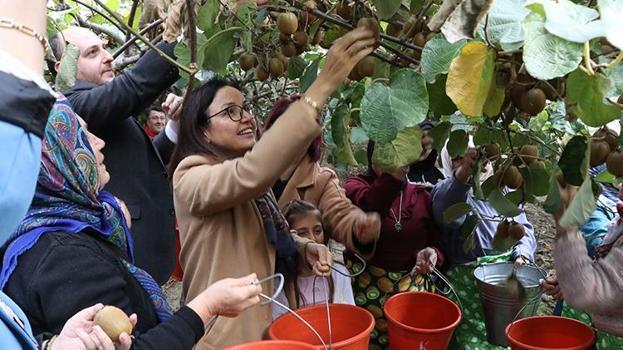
<point>113,322</point>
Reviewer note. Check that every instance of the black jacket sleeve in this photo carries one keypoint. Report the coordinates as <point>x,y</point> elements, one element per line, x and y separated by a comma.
<point>128,94</point>
<point>165,147</point>
<point>72,277</point>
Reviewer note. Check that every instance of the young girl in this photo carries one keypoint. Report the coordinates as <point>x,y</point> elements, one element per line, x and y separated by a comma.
<point>300,289</point>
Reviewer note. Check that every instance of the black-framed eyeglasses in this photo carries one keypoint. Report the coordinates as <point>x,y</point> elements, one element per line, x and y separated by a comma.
<point>234,112</point>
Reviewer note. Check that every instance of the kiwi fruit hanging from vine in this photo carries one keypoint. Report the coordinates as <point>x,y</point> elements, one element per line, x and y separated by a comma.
<point>275,67</point>
<point>306,16</point>
<point>492,151</point>
<point>287,23</point>
<point>608,135</point>
<point>247,61</point>
<point>261,73</point>
<point>614,163</point>
<point>533,101</point>
<point>393,29</point>
<point>366,67</point>
<point>599,152</point>
<point>372,25</point>
<point>502,229</point>
<point>516,231</point>
<point>300,39</point>
<point>419,39</point>
<point>512,177</point>
<point>529,154</point>
<point>344,9</point>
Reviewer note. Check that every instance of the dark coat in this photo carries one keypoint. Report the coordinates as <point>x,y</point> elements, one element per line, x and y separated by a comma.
<point>138,172</point>
<point>65,273</point>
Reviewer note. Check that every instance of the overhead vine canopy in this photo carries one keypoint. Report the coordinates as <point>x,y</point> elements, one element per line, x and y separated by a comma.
<point>512,73</point>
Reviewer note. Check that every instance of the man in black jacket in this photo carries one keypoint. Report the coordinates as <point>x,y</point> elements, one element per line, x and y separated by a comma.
<point>137,166</point>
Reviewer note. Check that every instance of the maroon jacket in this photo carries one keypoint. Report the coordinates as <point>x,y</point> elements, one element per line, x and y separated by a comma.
<point>397,250</point>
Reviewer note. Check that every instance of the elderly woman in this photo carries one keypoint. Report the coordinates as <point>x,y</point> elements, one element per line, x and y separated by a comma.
<point>408,241</point>
<point>74,249</point>
<point>307,180</point>
<point>229,221</point>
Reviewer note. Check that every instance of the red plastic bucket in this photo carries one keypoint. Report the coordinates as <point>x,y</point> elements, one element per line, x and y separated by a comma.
<point>549,332</point>
<point>420,320</point>
<point>273,345</point>
<point>350,326</point>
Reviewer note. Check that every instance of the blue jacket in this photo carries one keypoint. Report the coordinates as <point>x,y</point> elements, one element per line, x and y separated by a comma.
<point>15,331</point>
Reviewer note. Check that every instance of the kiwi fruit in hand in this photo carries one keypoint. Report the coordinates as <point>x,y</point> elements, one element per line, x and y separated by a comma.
<point>113,322</point>
<point>372,25</point>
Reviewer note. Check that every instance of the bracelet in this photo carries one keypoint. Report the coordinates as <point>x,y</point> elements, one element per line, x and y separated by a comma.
<point>312,103</point>
<point>10,24</point>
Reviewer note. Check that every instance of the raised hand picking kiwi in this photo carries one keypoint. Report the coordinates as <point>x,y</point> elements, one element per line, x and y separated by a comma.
<point>614,163</point>
<point>287,23</point>
<point>113,322</point>
<point>372,25</point>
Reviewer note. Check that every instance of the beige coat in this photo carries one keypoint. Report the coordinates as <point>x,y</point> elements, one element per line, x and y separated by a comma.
<point>221,231</point>
<point>593,287</point>
<point>321,187</point>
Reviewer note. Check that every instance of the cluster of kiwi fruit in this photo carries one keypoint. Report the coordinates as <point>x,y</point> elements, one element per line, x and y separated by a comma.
<point>292,42</point>
<point>605,149</point>
<point>510,229</point>
<point>510,176</point>
<point>529,95</point>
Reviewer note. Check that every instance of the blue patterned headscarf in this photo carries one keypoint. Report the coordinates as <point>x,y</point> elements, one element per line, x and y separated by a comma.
<point>68,199</point>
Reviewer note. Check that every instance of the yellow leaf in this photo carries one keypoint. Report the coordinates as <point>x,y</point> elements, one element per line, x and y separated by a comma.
<point>469,77</point>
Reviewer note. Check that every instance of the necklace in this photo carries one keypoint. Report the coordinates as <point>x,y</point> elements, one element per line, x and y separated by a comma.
<point>398,225</point>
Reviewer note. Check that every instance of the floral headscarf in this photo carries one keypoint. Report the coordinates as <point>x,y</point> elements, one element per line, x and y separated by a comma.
<point>68,199</point>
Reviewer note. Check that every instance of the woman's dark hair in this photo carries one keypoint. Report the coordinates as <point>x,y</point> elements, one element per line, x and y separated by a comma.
<point>315,149</point>
<point>193,123</point>
<point>296,208</point>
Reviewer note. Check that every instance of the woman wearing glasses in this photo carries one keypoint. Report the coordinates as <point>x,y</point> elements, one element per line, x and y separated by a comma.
<point>230,224</point>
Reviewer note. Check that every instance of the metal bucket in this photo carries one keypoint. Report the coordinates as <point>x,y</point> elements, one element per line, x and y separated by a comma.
<point>501,307</point>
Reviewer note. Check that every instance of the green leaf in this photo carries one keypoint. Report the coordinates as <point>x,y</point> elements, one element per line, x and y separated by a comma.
<point>218,50</point>
<point>358,136</point>
<point>571,160</point>
<point>495,99</point>
<point>468,229</point>
<point>615,75</point>
<point>552,203</point>
<point>456,211</point>
<point>182,52</point>
<point>440,134</point>
<point>545,55</point>
<point>515,197</point>
<point>309,76</point>
<point>206,17</point>
<point>504,26</point>
<point>611,14</point>
<point>457,144</point>
<point>438,101</point>
<point>571,22</point>
<point>470,76</point>
<point>296,67</point>
<point>606,176</point>
<point>66,77</point>
<point>386,8</point>
<point>539,179</point>
<point>502,205</point>
<point>404,150</point>
<point>581,207</point>
<point>437,55</point>
<point>340,134</point>
<point>488,186</point>
<point>385,110</point>
<point>588,92</point>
